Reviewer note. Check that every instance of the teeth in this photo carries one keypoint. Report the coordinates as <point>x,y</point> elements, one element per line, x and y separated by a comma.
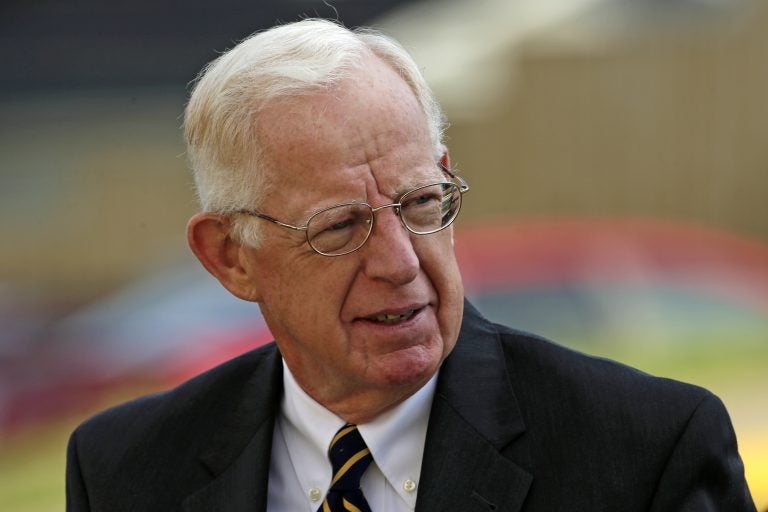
<point>390,319</point>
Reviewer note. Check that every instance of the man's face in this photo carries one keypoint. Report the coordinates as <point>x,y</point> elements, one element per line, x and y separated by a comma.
<point>364,140</point>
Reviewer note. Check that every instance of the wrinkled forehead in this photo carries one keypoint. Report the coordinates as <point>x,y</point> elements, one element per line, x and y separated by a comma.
<point>370,122</point>
<point>372,96</point>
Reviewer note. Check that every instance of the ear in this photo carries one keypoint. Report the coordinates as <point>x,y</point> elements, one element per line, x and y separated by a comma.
<point>445,160</point>
<point>209,237</point>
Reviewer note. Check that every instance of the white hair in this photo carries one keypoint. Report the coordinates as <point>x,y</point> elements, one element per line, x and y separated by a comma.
<point>221,118</point>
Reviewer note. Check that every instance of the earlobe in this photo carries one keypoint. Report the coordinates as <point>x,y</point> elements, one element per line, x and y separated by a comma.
<point>209,237</point>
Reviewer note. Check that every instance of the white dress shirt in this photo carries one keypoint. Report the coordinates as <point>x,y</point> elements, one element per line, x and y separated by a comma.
<point>300,472</point>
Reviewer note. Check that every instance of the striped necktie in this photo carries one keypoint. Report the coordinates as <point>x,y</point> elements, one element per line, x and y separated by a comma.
<point>350,457</point>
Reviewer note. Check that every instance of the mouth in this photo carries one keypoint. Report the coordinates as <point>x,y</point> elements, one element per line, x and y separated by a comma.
<point>393,317</point>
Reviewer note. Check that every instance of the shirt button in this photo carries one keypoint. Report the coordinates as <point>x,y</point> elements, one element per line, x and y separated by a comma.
<point>315,494</point>
<point>409,486</point>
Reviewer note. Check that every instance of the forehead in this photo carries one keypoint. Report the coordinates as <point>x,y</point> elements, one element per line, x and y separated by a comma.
<point>367,131</point>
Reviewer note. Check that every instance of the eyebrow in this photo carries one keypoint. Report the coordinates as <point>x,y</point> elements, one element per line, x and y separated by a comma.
<point>423,181</point>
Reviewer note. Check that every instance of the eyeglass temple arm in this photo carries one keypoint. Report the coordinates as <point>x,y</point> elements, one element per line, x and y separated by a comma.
<point>463,185</point>
<point>272,219</point>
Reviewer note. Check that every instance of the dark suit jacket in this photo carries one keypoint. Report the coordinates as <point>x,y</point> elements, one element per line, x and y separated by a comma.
<point>517,424</point>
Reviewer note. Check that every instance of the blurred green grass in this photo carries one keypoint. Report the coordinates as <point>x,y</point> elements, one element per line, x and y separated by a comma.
<point>704,358</point>
<point>32,469</point>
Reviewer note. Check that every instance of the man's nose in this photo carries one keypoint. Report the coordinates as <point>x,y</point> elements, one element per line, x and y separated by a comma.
<point>389,252</point>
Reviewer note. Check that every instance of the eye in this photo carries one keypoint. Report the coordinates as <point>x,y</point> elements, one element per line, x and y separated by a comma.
<point>336,226</point>
<point>344,224</point>
<point>339,228</point>
<point>422,198</point>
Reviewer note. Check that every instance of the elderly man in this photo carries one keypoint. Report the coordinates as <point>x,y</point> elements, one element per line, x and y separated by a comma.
<point>328,199</point>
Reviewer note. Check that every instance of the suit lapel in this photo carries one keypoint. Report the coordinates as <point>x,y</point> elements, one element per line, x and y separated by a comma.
<point>474,416</point>
<point>239,453</point>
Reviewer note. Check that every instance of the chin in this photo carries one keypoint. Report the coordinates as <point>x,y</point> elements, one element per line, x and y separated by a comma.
<point>410,367</point>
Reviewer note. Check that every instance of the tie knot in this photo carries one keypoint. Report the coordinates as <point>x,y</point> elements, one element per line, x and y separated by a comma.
<point>349,456</point>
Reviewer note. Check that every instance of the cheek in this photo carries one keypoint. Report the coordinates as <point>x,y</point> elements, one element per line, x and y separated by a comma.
<point>320,290</point>
<point>438,260</point>
<point>439,264</point>
<point>451,308</point>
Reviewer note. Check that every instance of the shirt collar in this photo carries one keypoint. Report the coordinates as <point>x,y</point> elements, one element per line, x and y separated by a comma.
<point>396,438</point>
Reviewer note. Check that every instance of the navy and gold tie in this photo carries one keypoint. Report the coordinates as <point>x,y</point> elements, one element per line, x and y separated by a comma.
<point>350,457</point>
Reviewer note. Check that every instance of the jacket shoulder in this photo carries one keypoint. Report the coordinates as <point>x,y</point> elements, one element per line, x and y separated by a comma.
<point>624,426</point>
<point>588,382</point>
<point>149,453</point>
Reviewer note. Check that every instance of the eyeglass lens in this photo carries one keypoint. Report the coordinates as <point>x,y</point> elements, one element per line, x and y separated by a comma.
<point>345,228</point>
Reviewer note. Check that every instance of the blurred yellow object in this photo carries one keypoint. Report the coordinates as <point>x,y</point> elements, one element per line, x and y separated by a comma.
<point>753,445</point>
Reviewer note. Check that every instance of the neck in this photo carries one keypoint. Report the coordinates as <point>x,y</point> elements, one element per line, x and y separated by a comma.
<point>362,405</point>
<point>363,409</point>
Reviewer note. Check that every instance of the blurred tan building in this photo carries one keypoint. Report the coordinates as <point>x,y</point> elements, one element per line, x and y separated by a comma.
<point>603,108</point>
<point>584,108</point>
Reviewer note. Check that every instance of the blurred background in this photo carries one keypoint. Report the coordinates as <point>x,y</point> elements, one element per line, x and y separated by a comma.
<point>615,150</point>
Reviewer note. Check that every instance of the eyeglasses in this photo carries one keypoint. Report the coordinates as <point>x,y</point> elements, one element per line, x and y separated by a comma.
<point>345,228</point>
